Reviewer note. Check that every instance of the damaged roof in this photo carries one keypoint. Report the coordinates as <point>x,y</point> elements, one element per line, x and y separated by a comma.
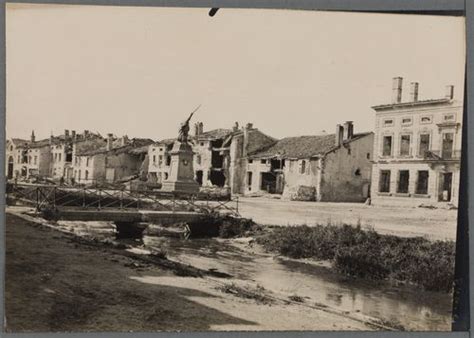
<point>299,147</point>
<point>134,146</point>
<point>213,134</point>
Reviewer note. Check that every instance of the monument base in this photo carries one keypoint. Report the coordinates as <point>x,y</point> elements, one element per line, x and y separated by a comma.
<point>180,186</point>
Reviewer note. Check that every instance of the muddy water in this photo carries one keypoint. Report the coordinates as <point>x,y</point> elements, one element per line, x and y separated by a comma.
<point>408,306</point>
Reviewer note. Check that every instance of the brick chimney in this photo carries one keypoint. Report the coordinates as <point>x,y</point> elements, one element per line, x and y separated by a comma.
<point>397,89</point>
<point>123,140</point>
<point>339,135</point>
<point>66,133</point>
<point>201,128</point>
<point>348,130</point>
<point>196,129</point>
<point>33,136</point>
<point>414,92</point>
<point>110,139</point>
<point>450,92</point>
<point>73,134</point>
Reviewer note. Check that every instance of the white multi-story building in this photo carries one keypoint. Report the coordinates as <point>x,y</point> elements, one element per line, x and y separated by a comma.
<point>417,149</point>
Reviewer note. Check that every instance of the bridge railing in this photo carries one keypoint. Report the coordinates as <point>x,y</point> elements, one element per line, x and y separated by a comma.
<point>51,196</point>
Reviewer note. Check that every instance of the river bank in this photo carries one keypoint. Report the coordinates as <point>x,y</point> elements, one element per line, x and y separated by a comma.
<point>54,283</point>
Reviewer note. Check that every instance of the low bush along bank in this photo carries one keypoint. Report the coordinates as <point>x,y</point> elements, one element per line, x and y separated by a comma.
<point>367,254</point>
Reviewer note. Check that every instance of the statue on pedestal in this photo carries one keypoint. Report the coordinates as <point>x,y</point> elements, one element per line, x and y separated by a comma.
<point>181,176</point>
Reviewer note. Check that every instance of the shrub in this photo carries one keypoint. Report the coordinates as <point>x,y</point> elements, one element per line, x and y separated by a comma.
<point>367,254</point>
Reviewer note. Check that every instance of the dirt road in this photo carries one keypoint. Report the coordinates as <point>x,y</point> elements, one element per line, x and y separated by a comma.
<point>431,223</point>
<point>55,284</point>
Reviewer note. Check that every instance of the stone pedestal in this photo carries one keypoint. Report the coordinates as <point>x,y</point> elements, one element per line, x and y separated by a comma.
<point>181,176</point>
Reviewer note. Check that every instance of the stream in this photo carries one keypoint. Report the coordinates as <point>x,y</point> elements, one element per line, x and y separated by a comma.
<point>405,305</point>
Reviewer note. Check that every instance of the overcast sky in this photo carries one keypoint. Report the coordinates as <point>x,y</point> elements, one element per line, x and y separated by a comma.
<point>140,71</point>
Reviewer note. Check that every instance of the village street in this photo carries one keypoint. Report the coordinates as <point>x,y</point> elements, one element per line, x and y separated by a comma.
<point>438,224</point>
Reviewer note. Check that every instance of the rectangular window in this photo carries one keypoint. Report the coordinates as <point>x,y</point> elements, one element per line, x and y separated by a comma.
<point>263,161</point>
<point>384,182</point>
<point>448,140</point>
<point>405,145</point>
<point>387,146</point>
<point>449,117</point>
<point>87,161</point>
<point>387,122</point>
<point>35,159</point>
<point>59,157</point>
<point>249,179</point>
<point>422,182</point>
<point>250,161</point>
<point>160,160</point>
<point>424,144</point>
<point>154,158</point>
<point>403,179</point>
<point>406,121</point>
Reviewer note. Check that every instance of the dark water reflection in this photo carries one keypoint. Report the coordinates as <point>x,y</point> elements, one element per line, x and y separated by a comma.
<point>409,306</point>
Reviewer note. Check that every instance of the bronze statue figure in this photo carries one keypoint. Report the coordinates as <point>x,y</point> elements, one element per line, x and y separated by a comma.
<point>184,129</point>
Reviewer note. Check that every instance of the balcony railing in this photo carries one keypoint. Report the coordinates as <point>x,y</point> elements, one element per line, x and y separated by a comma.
<point>442,155</point>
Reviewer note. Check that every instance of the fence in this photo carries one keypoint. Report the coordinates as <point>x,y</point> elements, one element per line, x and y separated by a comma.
<point>56,197</point>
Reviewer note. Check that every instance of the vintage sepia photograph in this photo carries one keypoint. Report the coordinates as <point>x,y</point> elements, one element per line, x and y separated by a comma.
<point>181,169</point>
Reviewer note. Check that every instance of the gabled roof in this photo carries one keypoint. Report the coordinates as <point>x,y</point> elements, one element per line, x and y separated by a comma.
<point>19,142</point>
<point>300,147</point>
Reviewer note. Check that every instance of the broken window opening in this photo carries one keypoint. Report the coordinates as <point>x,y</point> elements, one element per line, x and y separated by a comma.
<point>422,182</point>
<point>424,144</point>
<point>387,146</point>
<point>217,178</point>
<point>403,181</point>
<point>448,141</point>
<point>384,181</point>
<point>405,145</point>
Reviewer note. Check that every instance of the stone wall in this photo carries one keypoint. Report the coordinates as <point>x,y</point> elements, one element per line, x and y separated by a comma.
<point>346,172</point>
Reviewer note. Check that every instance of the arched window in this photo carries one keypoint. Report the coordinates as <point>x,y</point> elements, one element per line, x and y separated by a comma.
<point>303,167</point>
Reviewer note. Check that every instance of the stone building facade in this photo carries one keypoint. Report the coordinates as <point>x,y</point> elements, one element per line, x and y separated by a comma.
<point>334,167</point>
<point>110,160</point>
<point>417,149</point>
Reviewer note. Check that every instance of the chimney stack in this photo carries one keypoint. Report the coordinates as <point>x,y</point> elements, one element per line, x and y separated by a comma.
<point>201,128</point>
<point>236,126</point>
<point>397,89</point>
<point>348,130</point>
<point>66,133</point>
<point>414,91</point>
<point>86,134</point>
<point>339,135</point>
<point>450,92</point>
<point>249,125</point>
<point>73,134</point>
<point>110,139</point>
<point>33,136</point>
<point>123,140</point>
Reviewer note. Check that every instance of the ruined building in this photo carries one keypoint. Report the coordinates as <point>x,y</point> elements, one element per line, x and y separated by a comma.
<point>333,167</point>
<point>417,149</point>
<point>108,160</point>
<point>219,156</point>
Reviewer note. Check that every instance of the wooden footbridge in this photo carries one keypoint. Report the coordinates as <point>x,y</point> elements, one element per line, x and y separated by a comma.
<point>127,209</point>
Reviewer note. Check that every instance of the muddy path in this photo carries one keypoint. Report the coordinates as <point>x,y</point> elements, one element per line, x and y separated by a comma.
<point>55,283</point>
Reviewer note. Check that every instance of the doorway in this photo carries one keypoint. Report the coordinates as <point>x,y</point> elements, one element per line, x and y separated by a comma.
<point>10,168</point>
<point>199,177</point>
<point>445,187</point>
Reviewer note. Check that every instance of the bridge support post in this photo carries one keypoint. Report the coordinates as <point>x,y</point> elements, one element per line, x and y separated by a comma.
<point>130,229</point>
